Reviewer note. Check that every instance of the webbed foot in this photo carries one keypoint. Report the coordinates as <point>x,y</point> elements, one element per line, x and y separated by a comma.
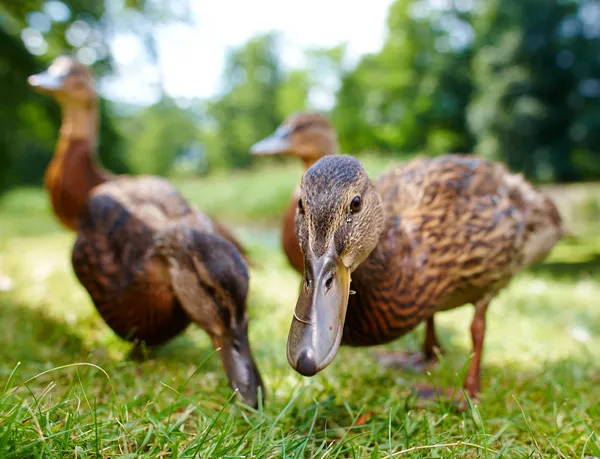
<point>411,361</point>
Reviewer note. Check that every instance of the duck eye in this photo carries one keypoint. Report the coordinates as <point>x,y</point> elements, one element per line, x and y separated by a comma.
<point>300,206</point>
<point>356,204</point>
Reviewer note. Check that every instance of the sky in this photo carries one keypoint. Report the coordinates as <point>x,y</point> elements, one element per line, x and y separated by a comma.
<point>191,57</point>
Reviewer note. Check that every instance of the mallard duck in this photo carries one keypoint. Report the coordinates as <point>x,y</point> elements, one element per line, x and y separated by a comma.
<point>427,236</point>
<point>150,262</point>
<point>309,137</point>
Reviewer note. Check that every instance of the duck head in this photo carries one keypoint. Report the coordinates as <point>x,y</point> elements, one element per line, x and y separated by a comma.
<point>308,136</point>
<point>338,223</point>
<point>68,81</point>
<point>210,280</point>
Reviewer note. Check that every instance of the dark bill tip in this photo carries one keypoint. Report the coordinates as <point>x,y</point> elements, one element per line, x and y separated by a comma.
<point>306,364</point>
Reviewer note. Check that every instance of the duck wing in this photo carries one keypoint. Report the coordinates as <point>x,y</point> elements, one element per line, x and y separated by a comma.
<point>113,257</point>
<point>462,226</point>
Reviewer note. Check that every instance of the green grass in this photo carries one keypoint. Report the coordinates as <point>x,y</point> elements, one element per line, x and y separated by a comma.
<point>68,388</point>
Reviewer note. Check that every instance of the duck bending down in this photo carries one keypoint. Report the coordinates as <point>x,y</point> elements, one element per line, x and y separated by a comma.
<point>150,262</point>
<point>427,236</point>
<point>308,137</point>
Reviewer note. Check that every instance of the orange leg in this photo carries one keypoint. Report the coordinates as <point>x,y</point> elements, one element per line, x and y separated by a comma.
<point>431,346</point>
<point>418,361</point>
<point>472,382</point>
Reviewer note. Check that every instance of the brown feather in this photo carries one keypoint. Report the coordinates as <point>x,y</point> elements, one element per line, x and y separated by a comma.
<point>457,228</point>
<point>71,175</point>
<point>115,259</point>
<point>427,236</point>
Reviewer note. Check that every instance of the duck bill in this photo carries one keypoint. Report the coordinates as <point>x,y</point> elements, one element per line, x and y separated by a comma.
<point>46,82</point>
<point>239,365</point>
<point>318,322</point>
<point>276,144</point>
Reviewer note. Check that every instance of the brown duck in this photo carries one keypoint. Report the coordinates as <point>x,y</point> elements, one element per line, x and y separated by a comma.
<point>309,137</point>
<point>428,236</point>
<point>150,262</point>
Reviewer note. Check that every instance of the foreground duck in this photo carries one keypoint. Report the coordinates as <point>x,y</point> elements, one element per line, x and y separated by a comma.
<point>428,236</point>
<point>309,137</point>
<point>150,262</point>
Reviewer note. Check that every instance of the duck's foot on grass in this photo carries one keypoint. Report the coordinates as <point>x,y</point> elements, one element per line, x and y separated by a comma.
<point>416,361</point>
<point>455,397</point>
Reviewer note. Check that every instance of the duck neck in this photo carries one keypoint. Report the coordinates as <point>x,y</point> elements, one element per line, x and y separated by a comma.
<point>80,122</point>
<point>74,170</point>
<point>383,305</point>
<point>308,162</point>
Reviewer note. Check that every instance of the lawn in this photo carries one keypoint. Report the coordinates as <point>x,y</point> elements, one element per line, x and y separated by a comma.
<point>69,389</point>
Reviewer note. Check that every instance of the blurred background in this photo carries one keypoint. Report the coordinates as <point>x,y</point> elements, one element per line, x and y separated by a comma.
<point>515,80</point>
<point>188,85</point>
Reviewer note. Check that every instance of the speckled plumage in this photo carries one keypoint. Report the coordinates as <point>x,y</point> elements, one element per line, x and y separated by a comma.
<point>456,228</point>
<point>449,230</point>
<point>115,257</point>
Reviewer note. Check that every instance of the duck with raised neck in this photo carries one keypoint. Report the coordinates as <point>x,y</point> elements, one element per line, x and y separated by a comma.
<point>74,170</point>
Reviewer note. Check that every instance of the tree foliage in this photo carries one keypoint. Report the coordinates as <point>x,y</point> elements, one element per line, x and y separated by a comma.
<point>413,93</point>
<point>537,103</point>
<point>515,80</point>
<point>248,109</point>
<point>157,136</point>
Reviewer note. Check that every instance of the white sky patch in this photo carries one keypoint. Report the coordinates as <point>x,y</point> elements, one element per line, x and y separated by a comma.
<point>191,58</point>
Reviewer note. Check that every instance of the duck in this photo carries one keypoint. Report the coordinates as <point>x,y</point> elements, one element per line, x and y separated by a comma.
<point>151,263</point>
<point>381,256</point>
<point>308,137</point>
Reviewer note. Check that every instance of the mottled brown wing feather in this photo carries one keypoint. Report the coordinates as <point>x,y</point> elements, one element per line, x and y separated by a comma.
<point>457,228</point>
<point>114,260</point>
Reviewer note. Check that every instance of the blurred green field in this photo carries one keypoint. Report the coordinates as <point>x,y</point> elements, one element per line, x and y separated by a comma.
<point>70,390</point>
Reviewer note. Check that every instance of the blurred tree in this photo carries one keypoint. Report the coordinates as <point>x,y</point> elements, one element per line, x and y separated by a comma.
<point>355,133</point>
<point>537,104</point>
<point>32,33</point>
<point>248,109</point>
<point>27,121</point>
<point>158,136</point>
<point>327,66</point>
<point>411,95</point>
<point>292,94</point>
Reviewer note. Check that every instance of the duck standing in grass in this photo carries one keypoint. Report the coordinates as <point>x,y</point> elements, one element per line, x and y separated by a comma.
<point>150,262</point>
<point>382,256</point>
<point>308,137</point>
